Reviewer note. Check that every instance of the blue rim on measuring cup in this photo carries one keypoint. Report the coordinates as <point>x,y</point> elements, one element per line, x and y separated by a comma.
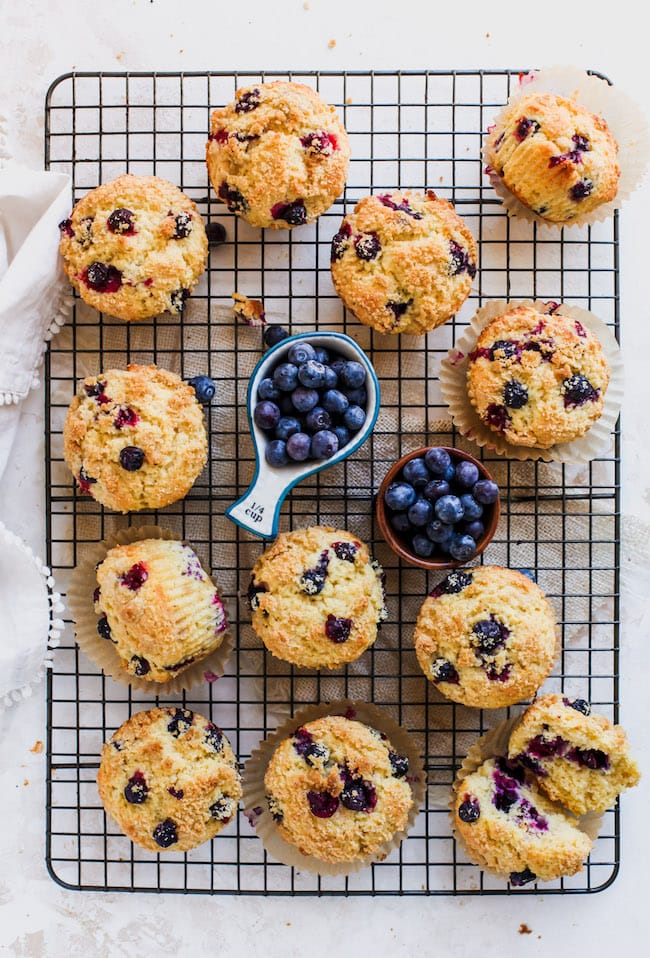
<point>342,454</point>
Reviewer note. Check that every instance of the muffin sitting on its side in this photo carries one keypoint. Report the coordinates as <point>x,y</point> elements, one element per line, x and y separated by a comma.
<point>403,262</point>
<point>169,778</point>
<point>135,438</point>
<point>134,247</point>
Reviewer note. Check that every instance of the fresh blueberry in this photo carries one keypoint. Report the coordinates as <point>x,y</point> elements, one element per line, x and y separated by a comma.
<point>438,460</point>
<point>471,508</point>
<point>276,453</point>
<point>342,434</point>
<point>300,352</point>
<point>285,377</point>
<point>132,458</point>
<point>416,473</point>
<point>268,390</point>
<point>287,426</point>
<point>322,355</point>
<point>358,796</point>
<point>324,444</point>
<point>515,394</point>
<point>420,513</point>
<point>183,225</point>
<point>449,509</point>
<point>357,397</point>
<point>335,402</point>
<point>337,364</point>
<point>443,671</point>
<point>304,399</point>
<point>337,628</point>
<point>317,419</point>
<point>466,474</point>
<point>462,547</point>
<point>266,414</point>
<point>165,833</point>
<point>486,492</point>
<point>104,629</point>
<point>352,374</point>
<point>435,489</point>
<point>399,496</point>
<point>286,405</point>
<point>422,545</point>
<point>139,665</point>
<point>299,446</point>
<point>295,213</point>
<point>322,804</point>
<point>439,532</point>
<point>469,811</point>
<point>354,417</point>
<point>475,529</point>
<point>450,473</point>
<point>331,378</point>
<point>203,387</point>
<point>216,234</point>
<point>578,390</point>
<point>136,789</point>
<point>400,522</point>
<point>274,334</point>
<point>312,374</point>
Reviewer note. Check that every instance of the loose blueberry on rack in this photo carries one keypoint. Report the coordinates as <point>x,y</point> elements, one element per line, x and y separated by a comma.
<point>203,387</point>
<point>274,334</point>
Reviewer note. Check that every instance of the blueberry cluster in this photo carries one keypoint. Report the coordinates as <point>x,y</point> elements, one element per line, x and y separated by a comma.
<point>440,506</point>
<point>310,404</point>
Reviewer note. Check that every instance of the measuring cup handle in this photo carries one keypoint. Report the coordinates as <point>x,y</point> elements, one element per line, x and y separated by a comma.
<point>258,509</point>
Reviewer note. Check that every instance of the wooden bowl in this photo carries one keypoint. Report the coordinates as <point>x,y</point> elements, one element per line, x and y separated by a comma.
<point>401,546</point>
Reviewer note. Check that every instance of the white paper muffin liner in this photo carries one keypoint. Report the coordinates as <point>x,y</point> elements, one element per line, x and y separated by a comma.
<point>453,385</point>
<point>493,743</point>
<point>83,583</point>
<point>625,119</point>
<point>254,798</point>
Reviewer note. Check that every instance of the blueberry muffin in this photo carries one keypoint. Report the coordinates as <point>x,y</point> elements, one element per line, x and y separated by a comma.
<point>277,156</point>
<point>511,828</point>
<point>538,378</point>
<point>337,790</point>
<point>403,262</point>
<point>159,608</point>
<point>169,778</point>
<point>556,157</point>
<point>317,597</point>
<point>135,438</point>
<point>486,637</point>
<point>581,760</point>
<point>134,247</point>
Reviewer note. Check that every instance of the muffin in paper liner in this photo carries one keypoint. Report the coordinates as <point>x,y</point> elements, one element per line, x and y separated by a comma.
<point>256,807</point>
<point>453,385</point>
<point>490,745</point>
<point>624,118</point>
<point>83,583</point>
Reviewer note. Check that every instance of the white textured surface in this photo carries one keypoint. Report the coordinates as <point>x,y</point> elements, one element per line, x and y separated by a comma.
<point>37,43</point>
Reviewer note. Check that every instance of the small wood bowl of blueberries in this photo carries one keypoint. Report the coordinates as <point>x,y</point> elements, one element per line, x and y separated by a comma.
<point>438,507</point>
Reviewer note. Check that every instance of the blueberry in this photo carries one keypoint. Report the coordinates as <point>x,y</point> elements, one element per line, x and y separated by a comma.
<point>140,666</point>
<point>285,377</point>
<point>214,737</point>
<point>322,355</point>
<point>357,397</point>
<point>274,334</point>
<point>522,878</point>
<point>352,374</point>
<point>399,496</point>
<point>313,580</point>
<point>466,474</point>
<point>400,522</point>
<point>358,796</point>
<point>578,390</point>
<point>322,804</point>
<point>304,399</point>
<point>324,444</point>
<point>399,764</point>
<point>331,378</point>
<point>180,722</point>
<point>165,833</point>
<point>475,529</point>
<point>486,492</point>
<point>295,213</point>
<point>443,671</point>
<point>316,753</point>
<point>420,513</point>
<point>121,221</point>
<point>580,705</point>
<point>439,531</point>
<point>132,458</point>
<point>203,387</point>
<point>286,405</point>
<point>449,509</point>
<point>276,453</point>
<point>462,547</point>
<point>524,127</point>
<point>438,460</point>
<point>268,390</point>
<point>460,261</point>
<point>335,402</point>
<point>435,489</point>
<point>216,234</point>
<point>450,473</point>
<point>104,629</point>
<point>312,374</point>
<point>337,628</point>
<point>340,242</point>
<point>507,347</point>
<point>299,446</point>
<point>183,225</point>
<point>287,426</point>
<point>469,811</point>
<point>266,414</point>
<point>416,473</point>
<point>529,574</point>
<point>135,577</point>
<point>490,635</point>
<point>471,508</point>
<point>345,551</point>
<point>103,278</point>
<point>222,809</point>
<point>497,416</point>
<point>515,394</point>
<point>342,434</point>
<point>136,789</point>
<point>248,101</point>
<point>422,546</point>
<point>317,419</point>
<point>354,417</point>
<point>367,246</point>
<point>299,353</point>
<point>581,189</point>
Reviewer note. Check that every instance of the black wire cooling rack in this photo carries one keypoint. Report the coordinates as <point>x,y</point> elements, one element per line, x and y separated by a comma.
<point>410,129</point>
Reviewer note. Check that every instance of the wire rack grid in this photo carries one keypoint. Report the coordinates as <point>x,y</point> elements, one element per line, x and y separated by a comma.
<point>410,129</point>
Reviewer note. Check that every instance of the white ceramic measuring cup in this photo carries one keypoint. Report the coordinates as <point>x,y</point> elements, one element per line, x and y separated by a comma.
<point>258,510</point>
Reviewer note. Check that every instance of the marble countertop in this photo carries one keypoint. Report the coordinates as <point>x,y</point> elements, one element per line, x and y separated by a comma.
<point>37,917</point>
